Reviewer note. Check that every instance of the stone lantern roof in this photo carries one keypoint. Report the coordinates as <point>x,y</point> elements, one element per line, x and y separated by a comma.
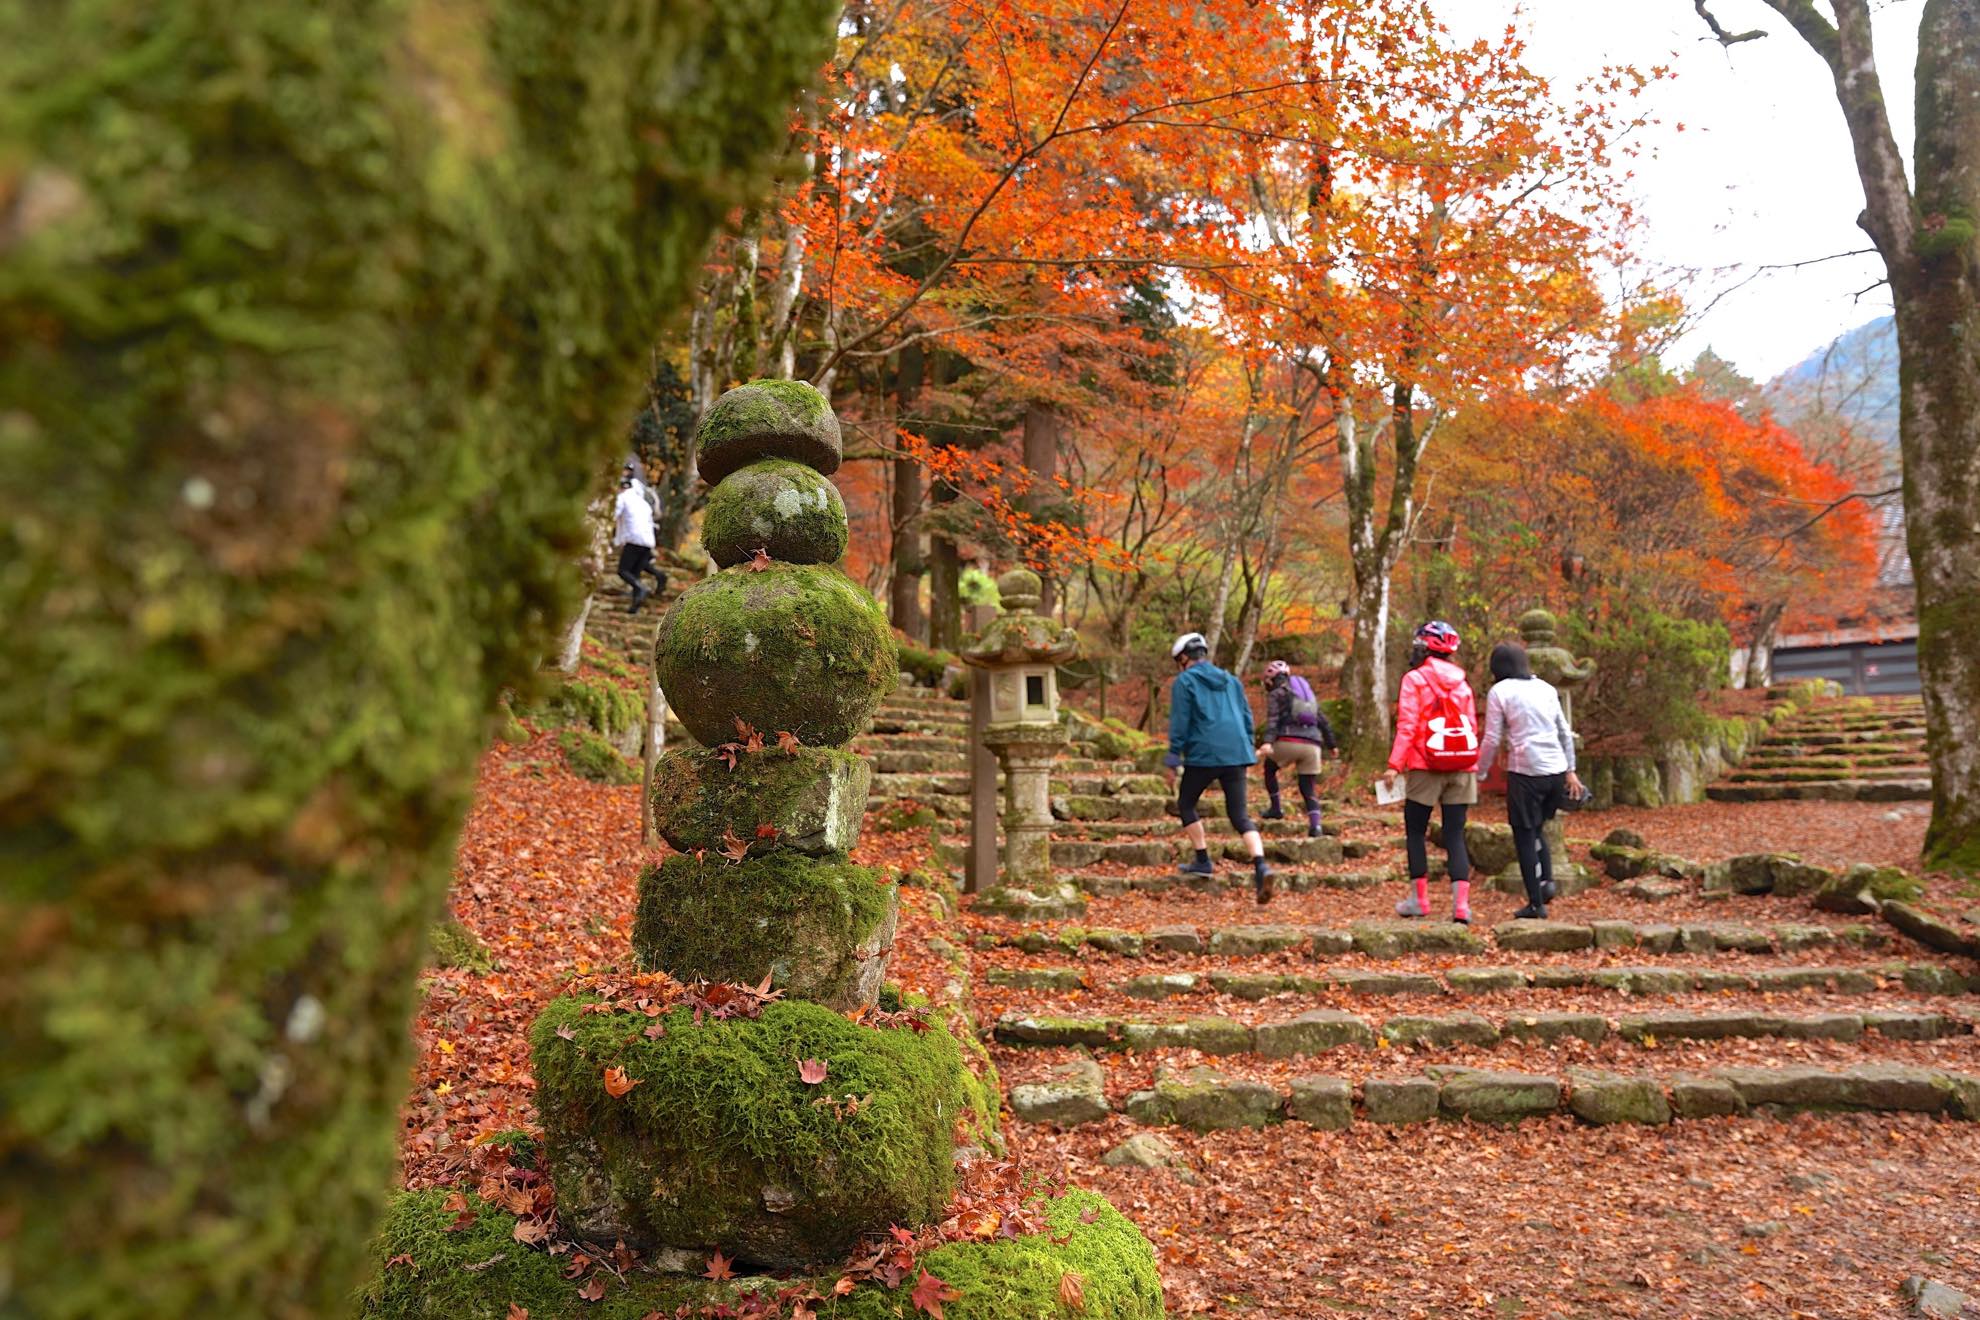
<point>1019,636</point>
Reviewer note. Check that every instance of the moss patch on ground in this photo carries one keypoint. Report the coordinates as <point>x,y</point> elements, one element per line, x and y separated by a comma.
<point>796,647</point>
<point>455,946</point>
<point>478,1272</point>
<point>592,757</point>
<point>820,928</point>
<point>720,1141</point>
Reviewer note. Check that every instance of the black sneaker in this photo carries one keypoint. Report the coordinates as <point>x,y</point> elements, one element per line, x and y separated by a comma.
<point>1531,912</point>
<point>1272,813</point>
<point>638,599</point>
<point>1196,868</point>
<point>1263,885</point>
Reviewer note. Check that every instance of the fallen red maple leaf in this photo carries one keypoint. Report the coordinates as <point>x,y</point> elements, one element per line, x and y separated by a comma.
<point>518,1312</point>
<point>718,1268</point>
<point>759,561</point>
<point>403,1258</point>
<point>788,741</point>
<point>929,1294</point>
<point>844,1285</point>
<point>1072,1290</point>
<point>733,848</point>
<point>567,1032</point>
<point>767,831</point>
<point>594,1288</point>
<point>811,1072</point>
<point>728,752</point>
<point>617,1083</point>
<point>529,1232</point>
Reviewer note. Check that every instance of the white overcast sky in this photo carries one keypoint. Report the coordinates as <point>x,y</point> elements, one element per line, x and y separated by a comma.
<point>1762,172</point>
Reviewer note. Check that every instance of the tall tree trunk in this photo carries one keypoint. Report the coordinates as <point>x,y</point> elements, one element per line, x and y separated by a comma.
<point>1930,244</point>
<point>299,409</point>
<point>1042,426</point>
<point>909,565</point>
<point>1760,649</point>
<point>945,626</point>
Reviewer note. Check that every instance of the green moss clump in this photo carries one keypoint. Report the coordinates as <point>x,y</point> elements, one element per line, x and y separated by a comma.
<point>778,506</point>
<point>722,1143</point>
<point>815,798</point>
<point>768,419</point>
<point>524,1150</point>
<point>899,817</point>
<point>926,666</point>
<point>591,757</point>
<point>1019,1279</point>
<point>298,300</point>
<point>608,709</point>
<point>478,1272</point>
<point>820,929</point>
<point>796,647</point>
<point>455,946</point>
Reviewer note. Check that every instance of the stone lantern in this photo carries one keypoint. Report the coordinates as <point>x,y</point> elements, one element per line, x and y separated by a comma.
<point>1019,651</point>
<point>1554,663</point>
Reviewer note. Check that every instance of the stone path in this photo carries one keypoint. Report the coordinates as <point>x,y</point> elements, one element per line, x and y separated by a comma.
<point>1861,750</point>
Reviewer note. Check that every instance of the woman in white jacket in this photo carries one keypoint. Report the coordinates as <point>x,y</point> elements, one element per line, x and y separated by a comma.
<point>1523,715</point>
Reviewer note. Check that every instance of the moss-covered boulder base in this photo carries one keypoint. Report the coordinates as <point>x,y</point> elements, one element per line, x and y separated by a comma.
<point>478,1272</point>
<point>820,930</point>
<point>778,506</point>
<point>812,799</point>
<point>795,647</point>
<point>721,1142</point>
<point>768,419</point>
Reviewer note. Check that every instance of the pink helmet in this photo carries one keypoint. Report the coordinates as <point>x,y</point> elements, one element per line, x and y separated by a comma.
<point>1275,668</point>
<point>1438,636</point>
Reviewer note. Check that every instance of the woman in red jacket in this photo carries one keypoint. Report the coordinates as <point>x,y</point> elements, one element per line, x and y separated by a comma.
<point>1429,745</point>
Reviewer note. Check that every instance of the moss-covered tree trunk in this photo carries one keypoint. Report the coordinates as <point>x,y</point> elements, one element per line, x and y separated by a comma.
<point>1927,229</point>
<point>315,319</point>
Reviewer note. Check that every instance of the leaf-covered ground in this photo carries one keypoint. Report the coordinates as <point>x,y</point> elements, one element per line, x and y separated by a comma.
<point>1815,1216</point>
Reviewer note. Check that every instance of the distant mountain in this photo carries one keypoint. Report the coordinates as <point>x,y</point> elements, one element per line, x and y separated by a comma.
<point>1854,379</point>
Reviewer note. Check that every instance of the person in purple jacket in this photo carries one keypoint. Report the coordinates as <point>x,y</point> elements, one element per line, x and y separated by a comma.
<point>1295,732</point>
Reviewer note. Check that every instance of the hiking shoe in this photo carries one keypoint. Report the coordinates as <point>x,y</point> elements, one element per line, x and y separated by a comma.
<point>1272,813</point>
<point>1264,885</point>
<point>638,599</point>
<point>1314,832</point>
<point>1196,868</point>
<point>1531,912</point>
<point>1409,907</point>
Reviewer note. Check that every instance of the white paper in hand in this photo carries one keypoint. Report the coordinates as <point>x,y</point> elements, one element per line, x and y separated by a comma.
<point>1389,792</point>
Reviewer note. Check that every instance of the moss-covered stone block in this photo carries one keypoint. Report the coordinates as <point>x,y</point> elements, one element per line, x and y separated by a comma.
<point>783,508</point>
<point>721,1143</point>
<point>479,1272</point>
<point>813,799</point>
<point>615,713</point>
<point>590,756</point>
<point>797,647</point>
<point>768,419</point>
<point>819,928</point>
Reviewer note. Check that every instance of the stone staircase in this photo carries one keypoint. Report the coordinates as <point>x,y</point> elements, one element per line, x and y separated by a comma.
<point>1851,750</point>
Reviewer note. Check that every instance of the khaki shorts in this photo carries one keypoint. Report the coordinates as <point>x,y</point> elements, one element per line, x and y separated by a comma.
<point>1434,787</point>
<point>1302,758</point>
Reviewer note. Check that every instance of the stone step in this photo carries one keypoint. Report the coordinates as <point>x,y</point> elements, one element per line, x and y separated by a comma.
<point>1322,1030</point>
<point>1883,739</point>
<point>887,725</point>
<point>1799,762</point>
<point>1168,829</point>
<point>1831,775</point>
<point>867,744</point>
<point>1203,1099</point>
<point>1390,939</point>
<point>1841,790</point>
<point>1653,981</point>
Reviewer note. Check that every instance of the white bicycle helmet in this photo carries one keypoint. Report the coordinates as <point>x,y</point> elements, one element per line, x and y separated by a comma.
<point>1186,642</point>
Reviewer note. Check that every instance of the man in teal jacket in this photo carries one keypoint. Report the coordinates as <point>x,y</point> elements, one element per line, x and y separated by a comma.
<point>1210,738</point>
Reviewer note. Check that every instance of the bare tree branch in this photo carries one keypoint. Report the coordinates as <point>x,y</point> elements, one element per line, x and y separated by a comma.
<point>1719,34</point>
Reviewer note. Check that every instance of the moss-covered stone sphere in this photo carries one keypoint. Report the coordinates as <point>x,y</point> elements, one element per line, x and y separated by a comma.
<point>820,929</point>
<point>797,647</point>
<point>768,419</point>
<point>779,506</point>
<point>721,1143</point>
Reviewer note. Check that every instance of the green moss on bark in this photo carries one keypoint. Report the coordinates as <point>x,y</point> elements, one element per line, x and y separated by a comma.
<point>721,1143</point>
<point>452,1277</point>
<point>778,506</point>
<point>794,646</point>
<point>314,321</point>
<point>821,930</point>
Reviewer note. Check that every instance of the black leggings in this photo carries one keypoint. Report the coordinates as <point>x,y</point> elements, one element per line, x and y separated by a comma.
<point>1196,778</point>
<point>1416,826</point>
<point>1309,785</point>
<point>635,560</point>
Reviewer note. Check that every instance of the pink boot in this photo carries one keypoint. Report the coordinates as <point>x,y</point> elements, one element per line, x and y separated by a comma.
<point>1419,905</point>
<point>1461,902</point>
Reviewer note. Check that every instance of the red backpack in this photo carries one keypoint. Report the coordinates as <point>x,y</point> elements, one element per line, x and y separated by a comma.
<point>1448,735</point>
